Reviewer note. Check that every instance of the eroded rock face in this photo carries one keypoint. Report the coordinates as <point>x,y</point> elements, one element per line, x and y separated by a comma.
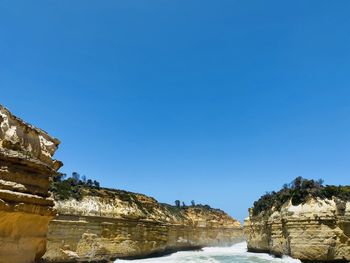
<point>118,224</point>
<point>317,231</point>
<point>26,165</point>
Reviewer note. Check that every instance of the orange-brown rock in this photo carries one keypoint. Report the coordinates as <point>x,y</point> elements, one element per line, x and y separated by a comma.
<point>315,231</point>
<point>109,224</point>
<point>26,165</point>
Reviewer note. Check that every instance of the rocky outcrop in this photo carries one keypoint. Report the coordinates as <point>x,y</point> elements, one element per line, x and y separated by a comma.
<point>109,224</point>
<point>315,231</point>
<point>25,207</point>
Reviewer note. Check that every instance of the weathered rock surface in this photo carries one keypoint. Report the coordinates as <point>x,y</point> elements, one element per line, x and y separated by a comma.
<point>317,231</point>
<point>114,224</point>
<point>25,207</point>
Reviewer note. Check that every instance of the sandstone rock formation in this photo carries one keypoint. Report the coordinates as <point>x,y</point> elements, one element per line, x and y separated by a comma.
<point>315,231</point>
<point>25,207</point>
<point>109,224</point>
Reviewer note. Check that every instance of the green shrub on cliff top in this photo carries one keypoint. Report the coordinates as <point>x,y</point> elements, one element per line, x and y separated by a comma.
<point>73,187</point>
<point>298,191</point>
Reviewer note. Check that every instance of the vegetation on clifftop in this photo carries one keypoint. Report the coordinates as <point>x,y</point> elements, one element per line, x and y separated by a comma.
<point>76,187</point>
<point>64,188</point>
<point>298,191</point>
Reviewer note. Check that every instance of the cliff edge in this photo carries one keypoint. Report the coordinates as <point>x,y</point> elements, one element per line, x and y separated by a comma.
<point>26,166</point>
<point>308,221</point>
<point>106,224</point>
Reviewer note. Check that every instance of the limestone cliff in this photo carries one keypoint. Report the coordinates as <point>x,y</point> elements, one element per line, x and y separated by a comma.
<point>108,224</point>
<point>25,207</point>
<point>317,230</point>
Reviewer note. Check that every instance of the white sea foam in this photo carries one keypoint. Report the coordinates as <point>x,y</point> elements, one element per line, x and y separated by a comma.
<point>234,254</point>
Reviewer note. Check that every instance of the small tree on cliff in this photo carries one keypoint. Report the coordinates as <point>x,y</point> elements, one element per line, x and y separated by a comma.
<point>59,177</point>
<point>96,184</point>
<point>76,176</point>
<point>89,183</point>
<point>83,179</point>
<point>177,203</point>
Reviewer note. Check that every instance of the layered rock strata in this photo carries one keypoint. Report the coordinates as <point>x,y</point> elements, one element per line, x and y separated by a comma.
<point>114,224</point>
<point>316,231</point>
<point>26,165</point>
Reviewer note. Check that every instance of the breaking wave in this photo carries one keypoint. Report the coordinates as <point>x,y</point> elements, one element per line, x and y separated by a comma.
<point>234,254</point>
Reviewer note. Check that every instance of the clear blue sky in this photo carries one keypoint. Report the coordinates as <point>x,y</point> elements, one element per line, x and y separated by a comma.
<point>216,101</point>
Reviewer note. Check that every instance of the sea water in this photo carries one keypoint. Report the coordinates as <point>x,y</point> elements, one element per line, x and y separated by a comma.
<point>234,254</point>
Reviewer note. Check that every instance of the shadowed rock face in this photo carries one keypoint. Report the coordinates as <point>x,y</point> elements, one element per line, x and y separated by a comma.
<point>26,165</point>
<point>110,224</point>
<point>316,231</point>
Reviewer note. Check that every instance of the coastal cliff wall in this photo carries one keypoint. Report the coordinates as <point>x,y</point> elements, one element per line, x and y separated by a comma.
<point>119,224</point>
<point>25,207</point>
<point>315,231</point>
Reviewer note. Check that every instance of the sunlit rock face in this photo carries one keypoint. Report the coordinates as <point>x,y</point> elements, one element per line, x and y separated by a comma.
<point>317,231</point>
<point>26,166</point>
<point>114,224</point>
